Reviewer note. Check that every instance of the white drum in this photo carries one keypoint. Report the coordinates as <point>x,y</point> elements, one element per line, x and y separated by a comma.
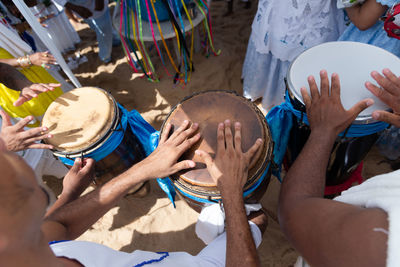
<point>354,63</point>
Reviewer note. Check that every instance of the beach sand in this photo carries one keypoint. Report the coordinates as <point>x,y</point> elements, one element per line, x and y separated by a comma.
<point>151,223</point>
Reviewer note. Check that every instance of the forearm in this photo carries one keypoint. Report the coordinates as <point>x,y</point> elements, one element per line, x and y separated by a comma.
<point>77,216</point>
<point>306,177</point>
<point>62,200</point>
<point>240,249</point>
<point>10,61</point>
<point>12,78</point>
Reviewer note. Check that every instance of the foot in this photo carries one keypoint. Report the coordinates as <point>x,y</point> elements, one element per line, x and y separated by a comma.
<point>260,219</point>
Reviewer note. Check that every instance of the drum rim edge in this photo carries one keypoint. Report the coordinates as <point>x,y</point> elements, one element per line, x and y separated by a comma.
<point>363,119</point>
<point>268,151</point>
<point>99,142</point>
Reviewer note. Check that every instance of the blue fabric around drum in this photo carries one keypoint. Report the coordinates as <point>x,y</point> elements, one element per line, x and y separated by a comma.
<point>280,122</point>
<point>109,145</point>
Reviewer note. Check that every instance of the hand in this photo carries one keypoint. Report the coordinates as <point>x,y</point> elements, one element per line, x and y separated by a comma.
<point>42,59</point>
<point>388,93</point>
<point>79,177</point>
<point>230,167</point>
<point>16,139</point>
<point>34,90</point>
<point>164,160</point>
<point>325,111</point>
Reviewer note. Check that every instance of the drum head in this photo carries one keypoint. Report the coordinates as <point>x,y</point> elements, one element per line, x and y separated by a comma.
<point>208,109</point>
<point>79,118</point>
<point>354,63</point>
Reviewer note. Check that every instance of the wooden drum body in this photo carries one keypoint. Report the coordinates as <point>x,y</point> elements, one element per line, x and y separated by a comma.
<point>208,109</point>
<point>86,122</point>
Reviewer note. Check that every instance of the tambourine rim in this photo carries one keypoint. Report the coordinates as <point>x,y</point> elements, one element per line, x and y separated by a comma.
<point>361,119</point>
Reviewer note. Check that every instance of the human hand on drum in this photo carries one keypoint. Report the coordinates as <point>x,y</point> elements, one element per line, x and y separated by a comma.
<point>16,138</point>
<point>78,177</point>
<point>29,92</point>
<point>389,93</point>
<point>325,111</point>
<point>229,168</point>
<point>164,160</point>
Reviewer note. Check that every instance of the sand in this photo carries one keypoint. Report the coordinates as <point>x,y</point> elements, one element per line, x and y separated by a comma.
<point>151,222</point>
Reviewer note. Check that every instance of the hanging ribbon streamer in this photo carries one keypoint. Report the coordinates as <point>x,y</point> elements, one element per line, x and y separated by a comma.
<point>132,16</point>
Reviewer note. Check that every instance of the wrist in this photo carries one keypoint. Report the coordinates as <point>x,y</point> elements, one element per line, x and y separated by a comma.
<point>323,135</point>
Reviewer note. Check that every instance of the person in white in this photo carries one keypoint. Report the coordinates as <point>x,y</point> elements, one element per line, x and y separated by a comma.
<point>282,30</point>
<point>26,229</point>
<point>97,14</point>
<point>359,227</point>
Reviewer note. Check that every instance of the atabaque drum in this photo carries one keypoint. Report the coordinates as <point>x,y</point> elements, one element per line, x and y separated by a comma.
<point>208,109</point>
<point>353,62</point>
<point>87,122</point>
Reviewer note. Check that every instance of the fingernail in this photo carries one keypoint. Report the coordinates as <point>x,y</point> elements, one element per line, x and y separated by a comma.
<point>192,164</point>
<point>370,102</point>
<point>259,140</point>
<point>322,72</point>
<point>185,121</point>
<point>375,115</point>
<point>197,153</point>
<point>310,78</point>
<point>30,118</point>
<point>195,125</point>
<point>220,125</point>
<point>386,71</point>
<point>237,124</point>
<point>374,73</point>
<point>49,136</point>
<point>334,75</point>
<point>227,121</point>
<point>44,129</point>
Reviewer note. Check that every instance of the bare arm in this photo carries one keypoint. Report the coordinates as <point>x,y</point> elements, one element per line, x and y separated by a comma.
<point>12,78</point>
<point>366,15</point>
<point>75,182</point>
<point>229,170</point>
<point>327,232</point>
<point>73,219</point>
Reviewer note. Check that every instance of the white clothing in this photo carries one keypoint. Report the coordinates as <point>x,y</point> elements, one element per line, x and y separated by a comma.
<point>211,221</point>
<point>287,28</point>
<point>348,3</point>
<point>59,29</point>
<point>89,4</point>
<point>382,191</point>
<point>95,255</point>
<point>282,30</point>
